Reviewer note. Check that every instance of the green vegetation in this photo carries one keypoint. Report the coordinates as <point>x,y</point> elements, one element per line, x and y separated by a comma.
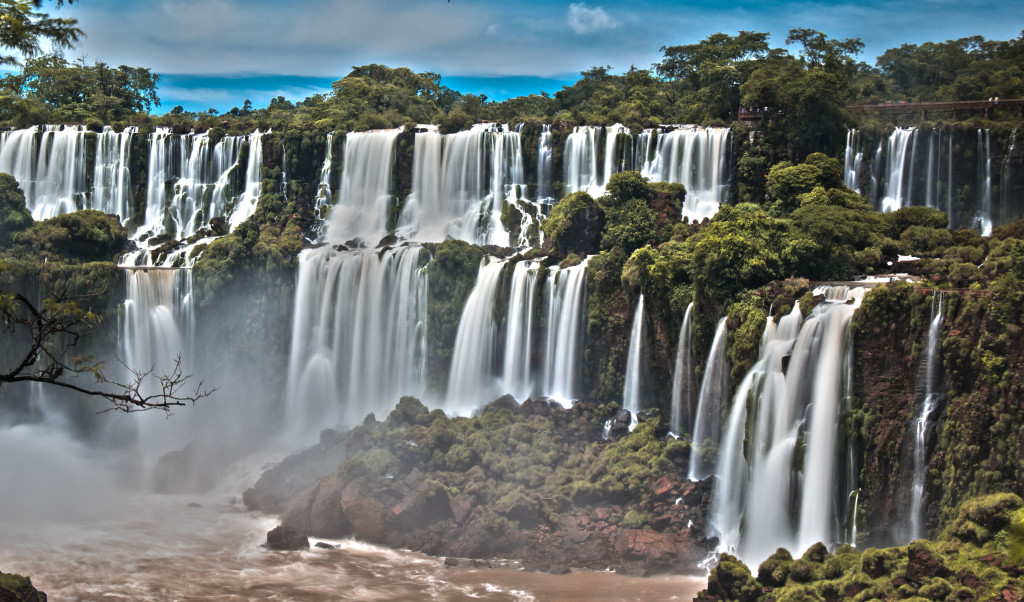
<point>976,559</point>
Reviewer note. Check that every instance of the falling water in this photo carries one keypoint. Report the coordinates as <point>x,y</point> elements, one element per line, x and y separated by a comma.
<point>472,380</point>
<point>645,157</point>
<point>358,334</point>
<point>581,161</point>
<point>983,218</point>
<point>566,294</point>
<point>1006,181</point>
<point>112,178</point>
<point>245,206</point>
<point>49,164</point>
<point>364,199</point>
<point>714,389</point>
<point>683,391</point>
<point>922,423</point>
<point>324,198</point>
<point>545,153</point>
<point>896,179</point>
<point>459,192</point>
<point>695,157</point>
<point>517,376</point>
<point>761,501</point>
<point>613,162</point>
<point>852,159</point>
<point>631,394</point>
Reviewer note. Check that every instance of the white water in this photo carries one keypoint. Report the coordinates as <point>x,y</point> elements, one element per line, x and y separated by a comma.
<point>517,375</point>
<point>460,182</point>
<point>632,398</point>
<point>923,421</point>
<point>471,381</point>
<point>566,294</point>
<point>897,178</point>
<point>545,153</point>
<point>761,501</point>
<point>112,178</point>
<point>365,195</point>
<point>684,394</point>
<point>245,205</point>
<point>714,389</point>
<point>324,197</point>
<point>581,161</point>
<point>696,158</point>
<point>852,159</point>
<point>49,164</point>
<point>983,218</point>
<point>358,335</point>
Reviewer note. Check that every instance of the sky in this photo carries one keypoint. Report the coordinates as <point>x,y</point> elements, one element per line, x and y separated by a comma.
<point>217,53</point>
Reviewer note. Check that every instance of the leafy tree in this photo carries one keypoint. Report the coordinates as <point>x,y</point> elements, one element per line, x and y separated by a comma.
<point>22,27</point>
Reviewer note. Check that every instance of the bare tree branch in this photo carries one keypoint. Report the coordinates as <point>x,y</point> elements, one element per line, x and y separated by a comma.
<point>49,332</point>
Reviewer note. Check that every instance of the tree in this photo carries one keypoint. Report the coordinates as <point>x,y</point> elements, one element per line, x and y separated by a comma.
<point>52,330</point>
<point>40,337</point>
<point>22,28</point>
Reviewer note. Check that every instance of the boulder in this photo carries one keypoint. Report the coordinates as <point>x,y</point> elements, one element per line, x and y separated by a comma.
<point>286,538</point>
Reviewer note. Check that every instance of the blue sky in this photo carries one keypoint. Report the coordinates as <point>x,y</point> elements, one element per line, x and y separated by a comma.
<point>217,53</point>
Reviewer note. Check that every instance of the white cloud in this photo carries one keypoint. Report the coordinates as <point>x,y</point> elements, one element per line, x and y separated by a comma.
<point>584,20</point>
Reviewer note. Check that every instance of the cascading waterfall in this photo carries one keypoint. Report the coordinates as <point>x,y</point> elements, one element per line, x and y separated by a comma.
<point>49,164</point>
<point>1006,179</point>
<point>922,423</point>
<point>517,376</point>
<point>645,157</point>
<point>761,501</point>
<point>581,161</point>
<point>324,199</point>
<point>364,198</point>
<point>615,162</point>
<point>934,167</point>
<point>852,159</point>
<point>358,334</point>
<point>112,178</point>
<point>460,192</point>
<point>714,389</point>
<point>631,394</point>
<point>471,380</point>
<point>245,206</point>
<point>566,288</point>
<point>897,180</point>
<point>696,158</point>
<point>545,153</point>
<point>983,218</point>
<point>683,391</point>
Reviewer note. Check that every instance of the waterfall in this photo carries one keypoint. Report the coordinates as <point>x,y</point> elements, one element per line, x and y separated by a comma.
<point>364,199</point>
<point>934,149</point>
<point>580,159</point>
<point>631,394</point>
<point>761,500</point>
<point>49,164</point>
<point>714,389</point>
<point>644,155</point>
<point>922,423</point>
<point>191,181</point>
<point>983,216</point>
<point>852,159</point>
<point>158,323</point>
<point>358,335</point>
<point>897,181</point>
<point>471,381</point>
<point>545,153</point>
<point>460,192</point>
<point>611,165</point>
<point>246,204</point>
<point>683,394</point>
<point>112,178</point>
<point>517,377</point>
<point>566,288</point>
<point>324,199</point>
<point>1006,180</point>
<point>696,158</point>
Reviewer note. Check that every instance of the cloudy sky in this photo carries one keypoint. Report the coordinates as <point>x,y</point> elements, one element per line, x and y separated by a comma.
<point>216,53</point>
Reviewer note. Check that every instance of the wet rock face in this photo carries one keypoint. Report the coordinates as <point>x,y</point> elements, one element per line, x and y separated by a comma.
<point>286,538</point>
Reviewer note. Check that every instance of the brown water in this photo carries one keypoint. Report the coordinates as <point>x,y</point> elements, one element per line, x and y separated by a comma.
<point>81,535</point>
